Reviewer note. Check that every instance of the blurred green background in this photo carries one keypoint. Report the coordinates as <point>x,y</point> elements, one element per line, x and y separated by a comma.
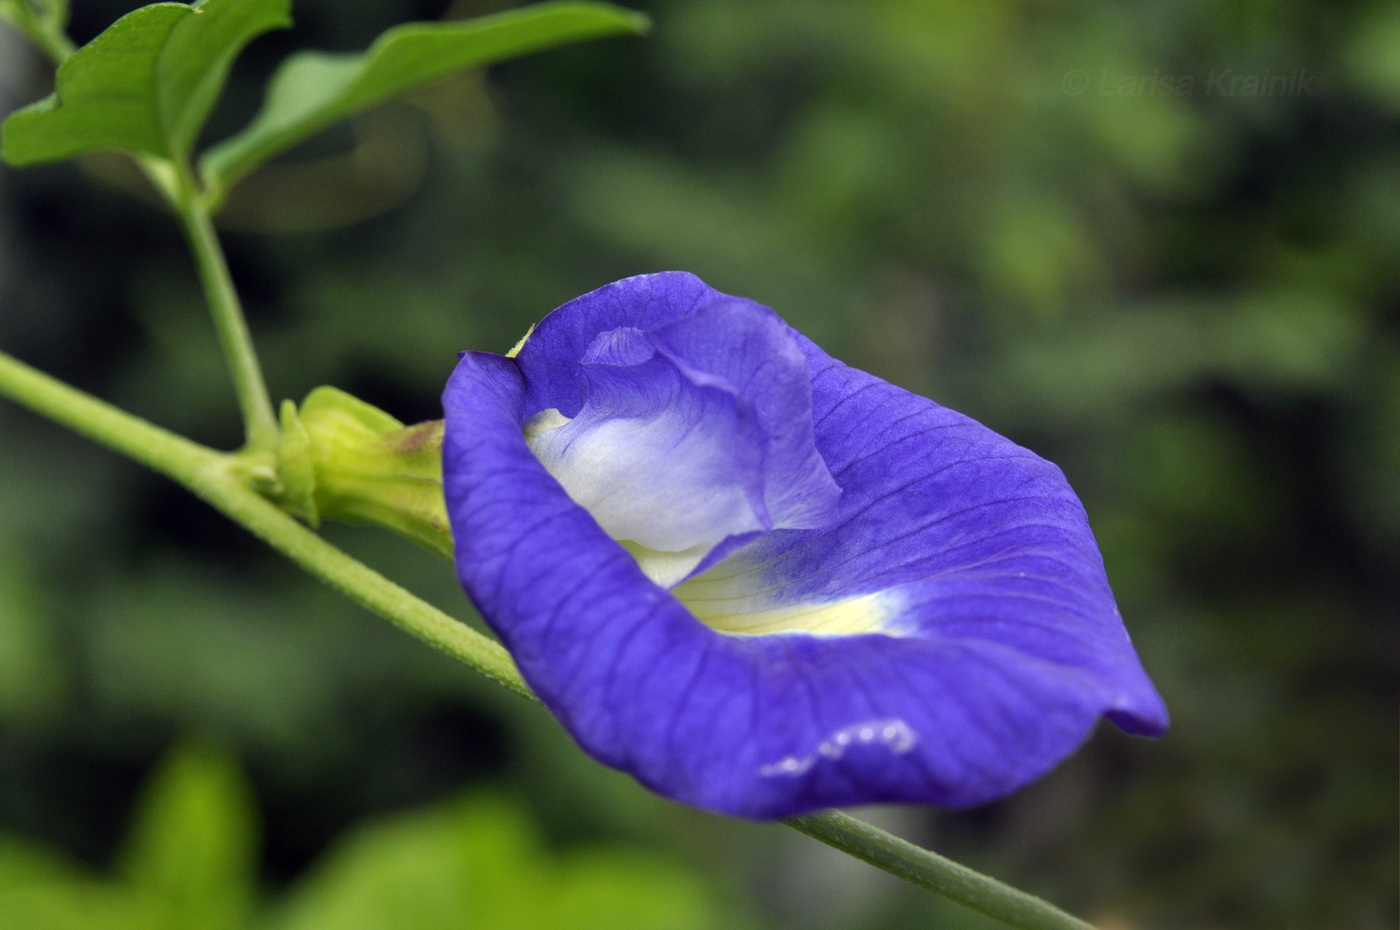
<point>1157,243</point>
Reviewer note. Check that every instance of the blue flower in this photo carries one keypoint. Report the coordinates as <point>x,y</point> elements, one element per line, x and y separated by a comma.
<point>765,583</point>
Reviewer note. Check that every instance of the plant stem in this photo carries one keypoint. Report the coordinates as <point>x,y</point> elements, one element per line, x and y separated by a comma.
<point>259,421</point>
<point>43,30</point>
<point>218,478</point>
<point>929,870</point>
<point>176,182</point>
<point>55,44</point>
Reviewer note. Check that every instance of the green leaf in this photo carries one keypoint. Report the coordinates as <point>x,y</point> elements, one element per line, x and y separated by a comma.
<point>41,889</point>
<point>192,850</point>
<point>145,85</point>
<point>104,95</point>
<point>474,862</point>
<point>313,89</point>
<point>195,62</point>
<point>479,862</point>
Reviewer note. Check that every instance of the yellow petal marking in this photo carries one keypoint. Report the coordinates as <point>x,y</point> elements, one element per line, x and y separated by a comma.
<point>751,616</point>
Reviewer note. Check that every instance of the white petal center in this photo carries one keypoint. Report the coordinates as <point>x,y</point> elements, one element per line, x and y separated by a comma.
<point>649,482</point>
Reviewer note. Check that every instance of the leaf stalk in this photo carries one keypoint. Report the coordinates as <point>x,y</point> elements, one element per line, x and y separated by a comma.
<point>259,420</point>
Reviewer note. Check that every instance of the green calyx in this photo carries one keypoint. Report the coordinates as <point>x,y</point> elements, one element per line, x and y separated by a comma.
<point>340,458</point>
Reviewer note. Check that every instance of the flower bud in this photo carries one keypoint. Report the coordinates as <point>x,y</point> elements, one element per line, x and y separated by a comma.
<point>343,459</point>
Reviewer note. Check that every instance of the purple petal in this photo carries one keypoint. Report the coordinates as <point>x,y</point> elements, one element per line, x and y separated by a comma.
<point>988,643</point>
<point>978,537</point>
<point>685,439</point>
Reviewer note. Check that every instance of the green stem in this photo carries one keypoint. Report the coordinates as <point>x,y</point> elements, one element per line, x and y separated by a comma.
<point>929,870</point>
<point>44,31</point>
<point>219,479</point>
<point>56,45</point>
<point>177,184</point>
<point>259,421</point>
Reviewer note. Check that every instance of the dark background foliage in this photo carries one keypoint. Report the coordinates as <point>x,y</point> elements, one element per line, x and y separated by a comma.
<point>1156,243</point>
